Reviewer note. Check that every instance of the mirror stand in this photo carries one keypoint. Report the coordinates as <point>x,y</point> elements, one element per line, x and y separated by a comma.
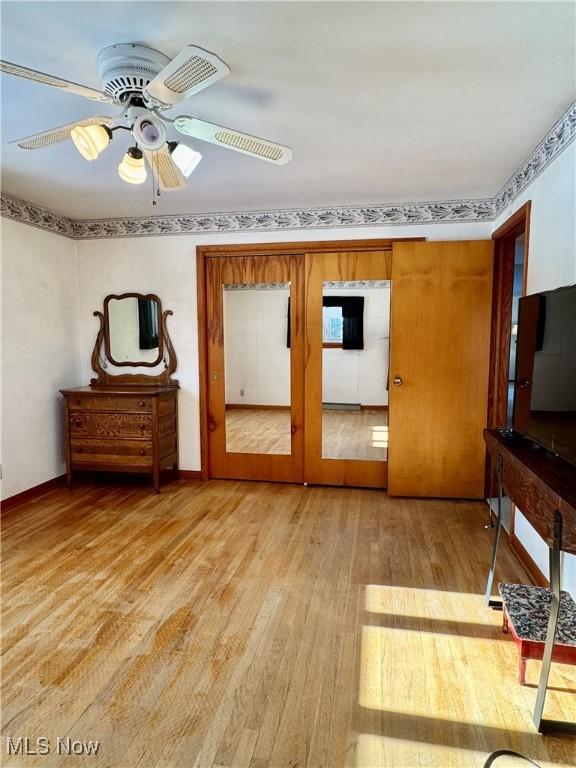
<point>163,379</point>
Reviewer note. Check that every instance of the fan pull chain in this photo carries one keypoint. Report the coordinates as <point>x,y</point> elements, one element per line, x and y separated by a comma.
<point>155,178</point>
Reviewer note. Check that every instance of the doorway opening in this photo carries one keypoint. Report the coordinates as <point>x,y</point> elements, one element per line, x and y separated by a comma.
<point>511,245</point>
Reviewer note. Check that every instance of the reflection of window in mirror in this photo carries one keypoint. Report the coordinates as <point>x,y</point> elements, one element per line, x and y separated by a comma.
<point>147,324</point>
<point>355,370</point>
<point>332,324</point>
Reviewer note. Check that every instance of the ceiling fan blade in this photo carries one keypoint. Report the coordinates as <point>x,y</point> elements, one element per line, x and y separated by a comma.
<point>236,140</point>
<point>56,82</point>
<point>60,134</point>
<point>165,170</point>
<point>192,70</point>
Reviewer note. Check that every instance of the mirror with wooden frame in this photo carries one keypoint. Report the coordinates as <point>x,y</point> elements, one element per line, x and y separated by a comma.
<point>133,333</point>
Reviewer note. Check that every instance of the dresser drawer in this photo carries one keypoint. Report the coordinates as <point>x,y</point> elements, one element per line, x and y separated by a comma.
<point>108,403</point>
<point>94,424</point>
<point>121,429</point>
<point>112,453</point>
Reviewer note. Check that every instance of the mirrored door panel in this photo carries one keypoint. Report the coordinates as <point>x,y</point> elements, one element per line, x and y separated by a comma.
<point>255,350</point>
<point>257,368</point>
<point>347,335</point>
<point>355,344</point>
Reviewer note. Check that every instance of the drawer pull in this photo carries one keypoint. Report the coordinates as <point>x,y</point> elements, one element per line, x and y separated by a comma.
<point>77,423</point>
<point>142,452</point>
<point>142,404</point>
<point>76,402</point>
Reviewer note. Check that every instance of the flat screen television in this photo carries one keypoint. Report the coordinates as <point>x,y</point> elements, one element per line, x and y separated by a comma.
<point>545,381</point>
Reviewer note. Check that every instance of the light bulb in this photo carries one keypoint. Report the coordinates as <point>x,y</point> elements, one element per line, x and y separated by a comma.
<point>90,140</point>
<point>132,169</point>
<point>185,158</point>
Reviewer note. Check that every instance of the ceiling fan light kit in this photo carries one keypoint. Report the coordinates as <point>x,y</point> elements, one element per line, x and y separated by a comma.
<point>145,83</point>
<point>149,132</point>
<point>132,169</point>
<point>90,140</point>
<point>185,157</point>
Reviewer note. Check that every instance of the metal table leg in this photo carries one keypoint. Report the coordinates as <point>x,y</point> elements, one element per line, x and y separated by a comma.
<point>551,726</point>
<point>492,602</point>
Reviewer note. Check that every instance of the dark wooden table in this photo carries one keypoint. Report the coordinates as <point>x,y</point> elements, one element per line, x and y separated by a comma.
<point>543,487</point>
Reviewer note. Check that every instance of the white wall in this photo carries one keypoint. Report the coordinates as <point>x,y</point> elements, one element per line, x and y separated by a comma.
<point>551,263</point>
<point>40,352</point>
<point>258,361</point>
<point>257,364</point>
<point>166,266</point>
<point>360,375</point>
<point>552,247</point>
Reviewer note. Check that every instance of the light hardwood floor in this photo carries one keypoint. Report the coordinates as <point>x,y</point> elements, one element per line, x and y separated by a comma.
<point>346,434</point>
<point>271,626</point>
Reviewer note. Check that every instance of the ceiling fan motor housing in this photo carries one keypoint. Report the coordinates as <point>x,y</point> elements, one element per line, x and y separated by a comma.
<point>149,132</point>
<point>127,68</point>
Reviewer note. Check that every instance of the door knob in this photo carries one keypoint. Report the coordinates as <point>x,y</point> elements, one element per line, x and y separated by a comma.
<point>397,381</point>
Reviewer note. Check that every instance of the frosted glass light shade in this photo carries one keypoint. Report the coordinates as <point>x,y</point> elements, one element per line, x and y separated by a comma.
<point>132,168</point>
<point>90,140</point>
<point>186,159</point>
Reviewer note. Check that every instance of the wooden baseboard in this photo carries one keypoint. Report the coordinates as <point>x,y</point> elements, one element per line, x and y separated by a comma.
<point>32,493</point>
<point>522,554</point>
<point>191,474</point>
<point>373,407</point>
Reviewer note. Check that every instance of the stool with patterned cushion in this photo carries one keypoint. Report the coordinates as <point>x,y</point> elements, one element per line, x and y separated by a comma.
<point>526,610</point>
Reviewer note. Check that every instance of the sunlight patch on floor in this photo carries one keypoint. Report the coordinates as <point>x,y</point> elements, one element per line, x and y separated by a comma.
<point>434,667</point>
<point>373,751</point>
<point>429,603</point>
<point>433,675</point>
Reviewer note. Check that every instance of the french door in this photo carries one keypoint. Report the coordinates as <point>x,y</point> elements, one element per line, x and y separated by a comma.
<point>299,386</point>
<point>346,402</point>
<point>283,403</point>
<point>255,381</point>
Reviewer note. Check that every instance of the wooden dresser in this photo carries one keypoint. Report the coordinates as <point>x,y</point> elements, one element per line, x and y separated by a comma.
<point>121,429</point>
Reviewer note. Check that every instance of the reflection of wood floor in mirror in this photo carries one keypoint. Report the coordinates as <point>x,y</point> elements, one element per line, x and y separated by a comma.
<point>262,625</point>
<point>251,430</point>
<point>361,435</point>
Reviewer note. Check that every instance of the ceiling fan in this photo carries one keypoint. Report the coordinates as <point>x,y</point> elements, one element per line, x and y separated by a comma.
<point>146,83</point>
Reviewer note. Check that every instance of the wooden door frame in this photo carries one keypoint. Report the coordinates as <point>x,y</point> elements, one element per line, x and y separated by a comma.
<point>503,285</point>
<point>205,252</point>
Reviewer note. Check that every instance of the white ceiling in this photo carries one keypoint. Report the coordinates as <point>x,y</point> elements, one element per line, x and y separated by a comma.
<point>380,101</point>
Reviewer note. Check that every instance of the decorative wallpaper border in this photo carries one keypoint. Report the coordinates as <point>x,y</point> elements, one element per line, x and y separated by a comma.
<point>326,284</point>
<point>449,211</point>
<point>256,286</point>
<point>367,284</point>
<point>35,216</point>
<point>556,140</point>
<point>278,220</point>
